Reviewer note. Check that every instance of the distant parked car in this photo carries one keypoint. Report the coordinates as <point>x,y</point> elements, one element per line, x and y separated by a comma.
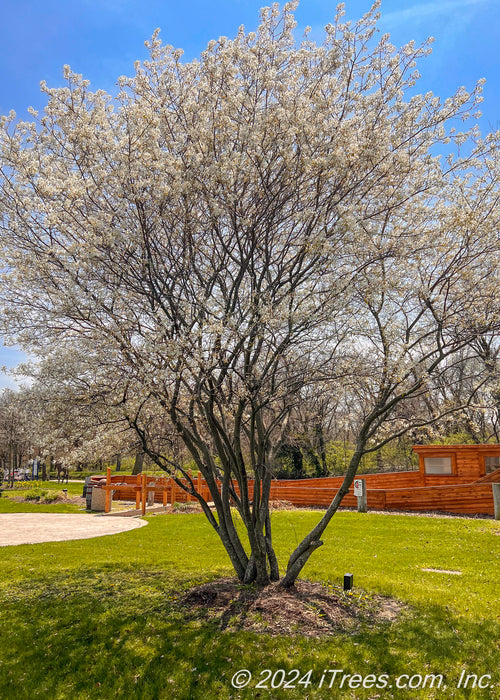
<point>19,475</point>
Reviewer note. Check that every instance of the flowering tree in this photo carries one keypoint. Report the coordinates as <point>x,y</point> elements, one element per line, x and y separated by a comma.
<point>72,420</point>
<point>15,434</point>
<point>232,231</point>
<point>478,419</point>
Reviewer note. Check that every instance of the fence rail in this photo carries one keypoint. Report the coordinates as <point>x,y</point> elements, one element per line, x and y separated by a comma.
<point>396,491</point>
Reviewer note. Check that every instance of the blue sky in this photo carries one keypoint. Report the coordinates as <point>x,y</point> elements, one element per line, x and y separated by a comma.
<point>103,39</point>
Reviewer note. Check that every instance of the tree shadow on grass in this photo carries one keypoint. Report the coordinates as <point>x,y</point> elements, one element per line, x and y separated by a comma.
<point>121,633</point>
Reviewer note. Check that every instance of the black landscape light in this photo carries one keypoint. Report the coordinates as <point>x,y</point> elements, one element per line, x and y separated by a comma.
<point>348,581</point>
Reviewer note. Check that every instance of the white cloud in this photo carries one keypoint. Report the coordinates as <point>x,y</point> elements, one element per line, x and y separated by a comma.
<point>429,9</point>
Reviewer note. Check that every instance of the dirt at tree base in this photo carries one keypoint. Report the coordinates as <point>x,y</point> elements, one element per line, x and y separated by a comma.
<point>72,500</point>
<point>308,609</point>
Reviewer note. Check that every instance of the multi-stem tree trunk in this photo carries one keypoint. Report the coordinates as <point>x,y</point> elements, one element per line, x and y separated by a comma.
<point>232,495</point>
<point>261,565</point>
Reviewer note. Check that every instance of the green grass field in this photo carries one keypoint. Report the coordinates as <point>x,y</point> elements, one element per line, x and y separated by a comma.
<point>100,618</point>
<point>8,504</point>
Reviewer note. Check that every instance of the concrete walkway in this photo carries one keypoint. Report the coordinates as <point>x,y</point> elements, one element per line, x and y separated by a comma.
<point>31,528</point>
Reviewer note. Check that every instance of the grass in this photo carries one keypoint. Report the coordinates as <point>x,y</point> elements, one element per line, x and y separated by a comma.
<point>74,488</point>
<point>8,505</point>
<point>100,618</point>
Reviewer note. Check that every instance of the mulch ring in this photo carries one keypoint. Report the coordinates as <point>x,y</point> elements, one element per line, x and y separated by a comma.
<point>191,507</point>
<point>281,505</point>
<point>309,609</point>
<point>74,500</point>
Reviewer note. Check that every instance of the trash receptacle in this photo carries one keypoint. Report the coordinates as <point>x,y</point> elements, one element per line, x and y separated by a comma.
<point>98,501</point>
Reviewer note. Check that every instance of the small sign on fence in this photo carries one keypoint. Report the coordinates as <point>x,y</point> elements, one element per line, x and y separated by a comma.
<point>358,487</point>
<point>360,492</point>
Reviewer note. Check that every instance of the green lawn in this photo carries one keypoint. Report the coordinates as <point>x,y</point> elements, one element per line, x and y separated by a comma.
<point>99,618</point>
<point>9,505</point>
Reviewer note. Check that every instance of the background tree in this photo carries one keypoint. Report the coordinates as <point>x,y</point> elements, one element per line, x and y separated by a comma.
<point>72,402</point>
<point>17,433</point>
<point>234,229</point>
<point>473,388</point>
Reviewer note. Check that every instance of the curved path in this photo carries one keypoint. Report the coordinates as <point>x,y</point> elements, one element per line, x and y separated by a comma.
<point>31,528</point>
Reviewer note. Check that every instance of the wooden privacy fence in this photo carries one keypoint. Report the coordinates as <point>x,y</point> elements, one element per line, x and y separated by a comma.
<point>391,491</point>
<point>459,498</point>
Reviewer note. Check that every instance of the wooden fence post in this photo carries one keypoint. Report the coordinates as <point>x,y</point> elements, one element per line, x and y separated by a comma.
<point>107,498</point>
<point>360,492</point>
<point>138,492</point>
<point>144,494</point>
<point>496,500</point>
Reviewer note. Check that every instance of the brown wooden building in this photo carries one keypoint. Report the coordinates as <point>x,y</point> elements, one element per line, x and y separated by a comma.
<point>456,464</point>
